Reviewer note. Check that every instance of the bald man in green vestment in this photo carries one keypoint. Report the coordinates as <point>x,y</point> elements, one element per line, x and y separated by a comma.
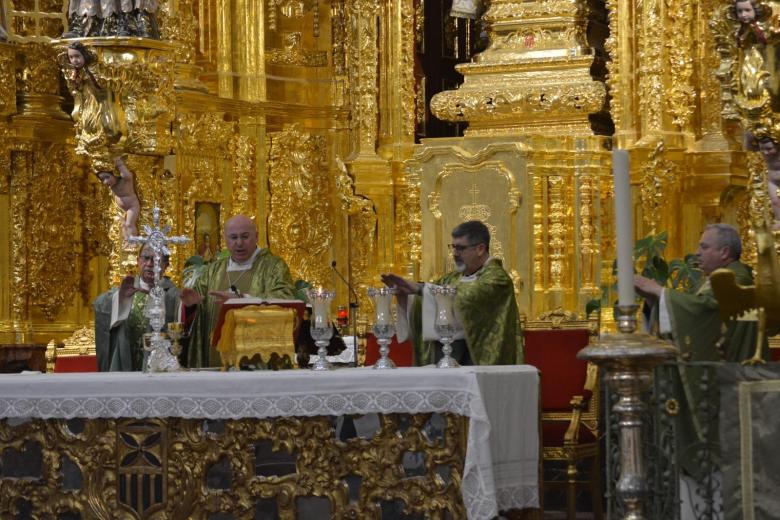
<point>249,271</point>
<point>485,303</point>
<point>119,316</point>
<point>693,322</point>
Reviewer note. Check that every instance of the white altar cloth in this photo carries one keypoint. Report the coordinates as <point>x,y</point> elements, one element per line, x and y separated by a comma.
<point>502,403</point>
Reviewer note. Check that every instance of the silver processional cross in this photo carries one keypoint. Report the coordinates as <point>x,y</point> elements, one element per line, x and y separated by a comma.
<point>160,358</point>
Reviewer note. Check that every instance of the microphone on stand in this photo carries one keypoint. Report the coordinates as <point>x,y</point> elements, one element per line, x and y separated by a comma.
<point>353,306</point>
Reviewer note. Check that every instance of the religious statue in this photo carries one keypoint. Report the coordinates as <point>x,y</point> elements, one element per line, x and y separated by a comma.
<point>112,18</point>
<point>95,110</point>
<point>123,188</point>
<point>771,153</point>
<point>746,12</point>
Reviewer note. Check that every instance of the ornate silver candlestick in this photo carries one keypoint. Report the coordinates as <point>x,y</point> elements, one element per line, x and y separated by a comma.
<point>628,360</point>
<point>384,328</point>
<point>160,358</point>
<point>445,324</point>
<point>321,326</point>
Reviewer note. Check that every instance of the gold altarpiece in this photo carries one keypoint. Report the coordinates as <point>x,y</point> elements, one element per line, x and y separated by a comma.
<point>257,102</point>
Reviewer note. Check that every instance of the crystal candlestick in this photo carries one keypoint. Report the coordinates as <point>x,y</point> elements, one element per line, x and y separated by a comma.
<point>321,326</point>
<point>445,324</point>
<point>384,328</point>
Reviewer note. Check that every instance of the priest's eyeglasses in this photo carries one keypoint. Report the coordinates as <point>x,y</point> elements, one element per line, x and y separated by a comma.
<point>460,248</point>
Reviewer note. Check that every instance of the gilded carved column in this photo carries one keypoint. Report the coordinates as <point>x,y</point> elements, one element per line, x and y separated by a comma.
<point>398,114</point>
<point>372,174</point>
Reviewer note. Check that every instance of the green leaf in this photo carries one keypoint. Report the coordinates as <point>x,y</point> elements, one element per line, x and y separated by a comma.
<point>592,305</point>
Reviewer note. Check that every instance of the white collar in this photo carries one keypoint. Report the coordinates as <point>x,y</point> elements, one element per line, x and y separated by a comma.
<point>473,276</point>
<point>243,266</point>
<point>143,285</point>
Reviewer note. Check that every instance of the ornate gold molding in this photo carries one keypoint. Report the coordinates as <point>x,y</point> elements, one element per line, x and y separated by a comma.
<point>363,51</point>
<point>7,79</point>
<point>185,461</point>
<point>299,221</point>
<point>659,178</point>
<point>293,53</point>
<point>533,78</point>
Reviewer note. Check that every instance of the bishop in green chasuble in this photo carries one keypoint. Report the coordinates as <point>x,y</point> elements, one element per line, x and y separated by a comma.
<point>693,322</point>
<point>249,271</point>
<point>119,317</point>
<point>485,304</point>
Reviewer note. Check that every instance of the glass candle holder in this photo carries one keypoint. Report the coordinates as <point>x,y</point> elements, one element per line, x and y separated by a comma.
<point>321,326</point>
<point>384,326</point>
<point>445,323</point>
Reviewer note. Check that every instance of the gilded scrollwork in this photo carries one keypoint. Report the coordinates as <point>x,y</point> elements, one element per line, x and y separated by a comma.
<point>179,25</point>
<point>242,149</point>
<point>658,178</point>
<point>299,225</point>
<point>45,246</point>
<point>408,221</point>
<point>650,71</point>
<point>525,102</point>
<point>406,67</point>
<point>557,230</point>
<point>363,72</point>
<point>680,48</point>
<point>294,54</point>
<point>7,79</point>
<point>588,245</point>
<point>202,163</point>
<point>523,10</point>
<point>177,457</point>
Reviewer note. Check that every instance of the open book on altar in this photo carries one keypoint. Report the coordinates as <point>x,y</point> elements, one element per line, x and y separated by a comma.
<point>259,301</point>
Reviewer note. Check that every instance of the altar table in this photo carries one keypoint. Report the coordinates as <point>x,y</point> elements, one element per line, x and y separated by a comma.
<point>500,470</point>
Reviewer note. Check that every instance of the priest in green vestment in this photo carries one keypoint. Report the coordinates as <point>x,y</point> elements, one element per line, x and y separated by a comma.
<point>119,316</point>
<point>249,271</point>
<point>693,322</point>
<point>485,304</point>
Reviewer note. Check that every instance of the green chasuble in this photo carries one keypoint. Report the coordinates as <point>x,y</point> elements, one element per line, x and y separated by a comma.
<point>269,277</point>
<point>699,334</point>
<point>120,348</point>
<point>488,310</point>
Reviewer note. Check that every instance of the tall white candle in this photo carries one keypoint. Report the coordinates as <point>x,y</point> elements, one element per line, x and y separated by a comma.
<point>624,227</point>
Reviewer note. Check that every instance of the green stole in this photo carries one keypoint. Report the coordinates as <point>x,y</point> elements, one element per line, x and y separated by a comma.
<point>269,277</point>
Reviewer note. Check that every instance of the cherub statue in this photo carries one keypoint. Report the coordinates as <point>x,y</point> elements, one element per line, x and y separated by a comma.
<point>746,12</point>
<point>97,123</point>
<point>771,153</point>
<point>123,188</point>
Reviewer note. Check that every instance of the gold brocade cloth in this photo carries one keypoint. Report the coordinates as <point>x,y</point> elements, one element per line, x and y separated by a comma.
<point>261,330</point>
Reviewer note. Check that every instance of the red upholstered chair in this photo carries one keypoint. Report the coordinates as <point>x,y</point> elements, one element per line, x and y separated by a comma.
<point>400,353</point>
<point>75,354</point>
<point>570,401</point>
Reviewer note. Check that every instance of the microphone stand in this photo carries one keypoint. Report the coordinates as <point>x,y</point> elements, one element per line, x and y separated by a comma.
<point>353,307</point>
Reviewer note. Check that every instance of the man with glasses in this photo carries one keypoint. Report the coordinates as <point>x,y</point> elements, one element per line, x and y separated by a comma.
<point>119,316</point>
<point>485,304</point>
